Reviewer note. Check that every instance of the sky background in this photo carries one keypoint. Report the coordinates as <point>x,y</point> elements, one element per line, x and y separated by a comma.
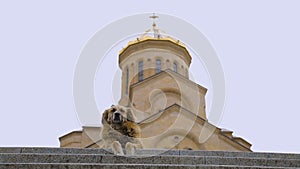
<point>257,43</point>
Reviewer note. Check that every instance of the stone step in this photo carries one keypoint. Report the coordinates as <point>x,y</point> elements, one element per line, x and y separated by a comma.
<point>35,157</point>
<point>15,158</point>
<point>126,166</point>
<point>149,152</point>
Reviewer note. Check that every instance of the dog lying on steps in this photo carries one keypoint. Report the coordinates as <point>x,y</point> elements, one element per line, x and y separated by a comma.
<point>120,130</point>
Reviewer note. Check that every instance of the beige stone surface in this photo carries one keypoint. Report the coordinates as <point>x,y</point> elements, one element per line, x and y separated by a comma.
<point>72,139</point>
<point>165,89</point>
<point>178,128</point>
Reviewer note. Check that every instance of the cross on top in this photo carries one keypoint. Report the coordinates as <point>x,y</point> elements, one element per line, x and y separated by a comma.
<point>153,17</point>
<point>155,29</point>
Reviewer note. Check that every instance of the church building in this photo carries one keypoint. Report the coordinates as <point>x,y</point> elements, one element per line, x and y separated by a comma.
<point>170,108</point>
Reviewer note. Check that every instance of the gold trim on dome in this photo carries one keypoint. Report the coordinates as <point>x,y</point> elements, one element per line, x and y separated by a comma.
<point>138,40</point>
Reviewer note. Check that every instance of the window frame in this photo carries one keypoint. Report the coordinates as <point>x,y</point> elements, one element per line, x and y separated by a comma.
<point>175,67</point>
<point>127,81</point>
<point>140,71</point>
<point>157,65</point>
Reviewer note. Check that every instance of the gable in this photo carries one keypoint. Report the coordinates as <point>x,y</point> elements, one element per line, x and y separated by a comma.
<point>175,122</point>
<point>165,89</point>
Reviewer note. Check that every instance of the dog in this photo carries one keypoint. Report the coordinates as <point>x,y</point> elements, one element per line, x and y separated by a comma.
<point>120,130</point>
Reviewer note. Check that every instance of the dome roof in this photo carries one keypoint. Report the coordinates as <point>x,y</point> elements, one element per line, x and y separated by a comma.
<point>148,42</point>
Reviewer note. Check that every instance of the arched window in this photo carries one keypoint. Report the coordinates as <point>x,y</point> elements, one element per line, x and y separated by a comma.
<point>175,67</point>
<point>127,80</point>
<point>158,66</point>
<point>141,71</point>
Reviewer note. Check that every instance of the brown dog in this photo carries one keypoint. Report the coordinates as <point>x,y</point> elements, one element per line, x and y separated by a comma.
<point>120,130</point>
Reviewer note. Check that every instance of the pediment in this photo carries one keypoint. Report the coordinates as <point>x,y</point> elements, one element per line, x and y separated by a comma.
<point>168,74</point>
<point>178,122</point>
<point>165,89</point>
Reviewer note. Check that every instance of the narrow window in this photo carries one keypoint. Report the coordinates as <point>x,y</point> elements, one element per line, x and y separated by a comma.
<point>127,80</point>
<point>141,73</point>
<point>158,65</point>
<point>175,67</point>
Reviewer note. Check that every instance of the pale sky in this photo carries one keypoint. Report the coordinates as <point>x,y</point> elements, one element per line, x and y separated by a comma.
<point>256,41</point>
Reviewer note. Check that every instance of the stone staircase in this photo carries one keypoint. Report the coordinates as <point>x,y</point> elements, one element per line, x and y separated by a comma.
<point>67,158</point>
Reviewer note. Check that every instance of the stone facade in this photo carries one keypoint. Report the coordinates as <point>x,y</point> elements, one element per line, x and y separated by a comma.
<point>169,107</point>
